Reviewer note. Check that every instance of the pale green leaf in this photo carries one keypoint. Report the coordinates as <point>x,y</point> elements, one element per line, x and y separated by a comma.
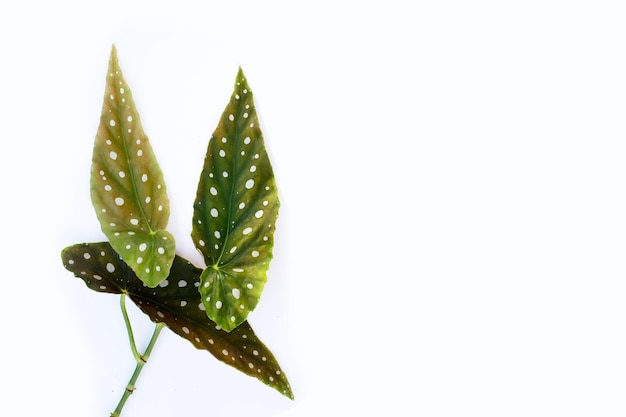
<point>127,187</point>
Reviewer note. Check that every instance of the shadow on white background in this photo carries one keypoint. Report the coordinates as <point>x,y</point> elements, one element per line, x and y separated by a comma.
<point>452,231</point>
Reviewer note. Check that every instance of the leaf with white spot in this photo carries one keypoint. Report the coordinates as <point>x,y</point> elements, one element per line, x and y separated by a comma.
<point>234,213</point>
<point>127,187</point>
<point>176,302</point>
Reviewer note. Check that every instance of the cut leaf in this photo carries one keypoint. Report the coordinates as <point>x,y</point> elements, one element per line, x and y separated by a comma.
<point>234,213</point>
<point>127,187</point>
<point>176,302</point>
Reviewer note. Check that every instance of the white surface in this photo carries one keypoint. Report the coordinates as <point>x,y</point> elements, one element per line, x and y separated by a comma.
<point>452,233</point>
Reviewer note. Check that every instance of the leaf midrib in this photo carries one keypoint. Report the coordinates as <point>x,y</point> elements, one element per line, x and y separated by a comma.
<point>234,180</point>
<point>131,170</point>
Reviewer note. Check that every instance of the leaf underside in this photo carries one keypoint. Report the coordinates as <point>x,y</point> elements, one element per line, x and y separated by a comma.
<point>127,187</point>
<point>235,212</point>
<point>176,302</point>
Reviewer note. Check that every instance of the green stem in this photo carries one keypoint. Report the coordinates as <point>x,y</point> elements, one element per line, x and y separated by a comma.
<point>141,359</point>
<point>129,329</point>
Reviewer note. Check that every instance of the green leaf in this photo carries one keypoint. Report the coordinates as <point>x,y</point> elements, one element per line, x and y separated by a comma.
<point>176,302</point>
<point>234,213</point>
<point>127,187</point>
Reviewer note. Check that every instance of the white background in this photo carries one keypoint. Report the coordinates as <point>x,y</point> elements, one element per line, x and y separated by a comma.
<point>452,174</point>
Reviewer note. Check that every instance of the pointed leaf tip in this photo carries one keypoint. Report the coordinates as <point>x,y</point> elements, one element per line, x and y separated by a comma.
<point>235,212</point>
<point>127,186</point>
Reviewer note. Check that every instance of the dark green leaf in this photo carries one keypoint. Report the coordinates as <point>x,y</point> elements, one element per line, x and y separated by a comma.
<point>234,213</point>
<point>127,187</point>
<point>176,302</point>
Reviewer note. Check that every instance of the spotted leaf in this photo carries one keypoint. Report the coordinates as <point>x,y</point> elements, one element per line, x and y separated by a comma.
<point>234,213</point>
<point>176,302</point>
<point>127,187</point>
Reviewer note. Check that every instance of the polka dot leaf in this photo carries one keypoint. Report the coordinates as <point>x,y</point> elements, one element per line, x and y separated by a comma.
<point>234,213</point>
<point>176,303</point>
<point>127,187</point>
